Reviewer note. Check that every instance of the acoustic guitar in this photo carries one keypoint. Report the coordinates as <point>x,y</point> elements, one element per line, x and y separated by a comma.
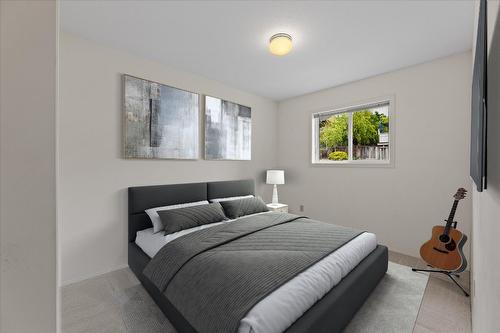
<point>444,249</point>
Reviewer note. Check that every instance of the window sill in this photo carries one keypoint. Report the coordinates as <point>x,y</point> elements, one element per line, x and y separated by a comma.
<point>370,164</point>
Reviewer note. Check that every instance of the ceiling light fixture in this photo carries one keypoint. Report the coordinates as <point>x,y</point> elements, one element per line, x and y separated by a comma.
<point>280,44</point>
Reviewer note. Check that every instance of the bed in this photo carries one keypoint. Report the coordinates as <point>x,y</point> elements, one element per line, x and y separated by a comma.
<point>331,313</point>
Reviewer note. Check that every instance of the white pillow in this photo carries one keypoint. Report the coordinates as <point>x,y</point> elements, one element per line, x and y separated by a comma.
<point>231,198</point>
<point>155,218</point>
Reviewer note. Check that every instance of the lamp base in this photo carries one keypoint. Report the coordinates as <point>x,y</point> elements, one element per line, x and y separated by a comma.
<point>275,194</point>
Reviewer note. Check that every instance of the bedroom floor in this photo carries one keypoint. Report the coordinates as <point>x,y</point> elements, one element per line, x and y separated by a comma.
<point>444,308</point>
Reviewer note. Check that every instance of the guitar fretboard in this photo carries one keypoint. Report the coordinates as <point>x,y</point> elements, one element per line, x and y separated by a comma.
<point>451,217</point>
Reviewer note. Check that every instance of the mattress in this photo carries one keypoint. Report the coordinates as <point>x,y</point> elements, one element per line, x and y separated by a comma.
<point>286,304</point>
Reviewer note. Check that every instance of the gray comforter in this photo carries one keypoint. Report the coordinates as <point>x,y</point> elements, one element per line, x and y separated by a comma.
<point>214,276</point>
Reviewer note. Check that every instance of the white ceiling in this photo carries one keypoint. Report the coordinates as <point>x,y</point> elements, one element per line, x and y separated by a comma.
<point>334,42</point>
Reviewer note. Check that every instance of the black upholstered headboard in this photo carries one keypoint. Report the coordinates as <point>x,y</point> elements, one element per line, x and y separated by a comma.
<point>143,197</point>
<point>232,188</point>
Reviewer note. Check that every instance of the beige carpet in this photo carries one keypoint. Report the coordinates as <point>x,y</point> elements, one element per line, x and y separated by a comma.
<point>393,306</point>
<point>114,302</point>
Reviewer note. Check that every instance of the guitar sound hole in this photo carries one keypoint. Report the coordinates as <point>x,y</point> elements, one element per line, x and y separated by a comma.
<point>444,238</point>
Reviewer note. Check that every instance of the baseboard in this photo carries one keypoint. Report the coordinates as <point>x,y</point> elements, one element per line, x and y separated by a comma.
<point>92,275</point>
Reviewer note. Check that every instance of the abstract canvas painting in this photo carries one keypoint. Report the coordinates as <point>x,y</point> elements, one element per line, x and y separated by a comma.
<point>159,121</point>
<point>228,130</point>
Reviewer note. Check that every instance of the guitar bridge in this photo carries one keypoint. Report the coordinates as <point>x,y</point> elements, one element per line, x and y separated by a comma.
<point>442,251</point>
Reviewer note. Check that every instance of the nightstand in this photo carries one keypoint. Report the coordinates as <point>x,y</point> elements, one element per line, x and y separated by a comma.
<point>279,207</point>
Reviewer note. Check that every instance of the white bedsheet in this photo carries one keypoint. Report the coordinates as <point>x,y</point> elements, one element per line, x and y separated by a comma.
<point>151,243</point>
<point>285,305</point>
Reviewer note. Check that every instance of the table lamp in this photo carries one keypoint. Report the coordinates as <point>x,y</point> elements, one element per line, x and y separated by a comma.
<point>275,177</point>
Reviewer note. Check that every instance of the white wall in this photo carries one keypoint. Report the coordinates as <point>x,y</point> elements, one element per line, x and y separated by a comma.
<point>94,177</point>
<point>28,53</point>
<point>399,204</point>
<point>486,217</point>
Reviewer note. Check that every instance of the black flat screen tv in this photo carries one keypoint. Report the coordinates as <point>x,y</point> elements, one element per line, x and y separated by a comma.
<point>478,105</point>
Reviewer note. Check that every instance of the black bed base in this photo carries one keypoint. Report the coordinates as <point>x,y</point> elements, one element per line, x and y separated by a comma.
<point>330,314</point>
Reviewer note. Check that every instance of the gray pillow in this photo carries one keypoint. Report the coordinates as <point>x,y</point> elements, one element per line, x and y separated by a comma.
<point>241,207</point>
<point>175,220</point>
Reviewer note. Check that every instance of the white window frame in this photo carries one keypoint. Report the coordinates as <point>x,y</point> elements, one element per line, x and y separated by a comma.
<point>349,110</point>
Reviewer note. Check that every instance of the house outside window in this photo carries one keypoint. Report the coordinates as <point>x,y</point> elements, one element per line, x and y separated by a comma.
<point>357,135</point>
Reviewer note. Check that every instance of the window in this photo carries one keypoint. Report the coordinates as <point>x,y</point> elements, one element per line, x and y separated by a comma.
<point>355,135</point>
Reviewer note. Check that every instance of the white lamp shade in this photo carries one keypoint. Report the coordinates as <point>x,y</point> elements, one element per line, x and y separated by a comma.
<point>275,177</point>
